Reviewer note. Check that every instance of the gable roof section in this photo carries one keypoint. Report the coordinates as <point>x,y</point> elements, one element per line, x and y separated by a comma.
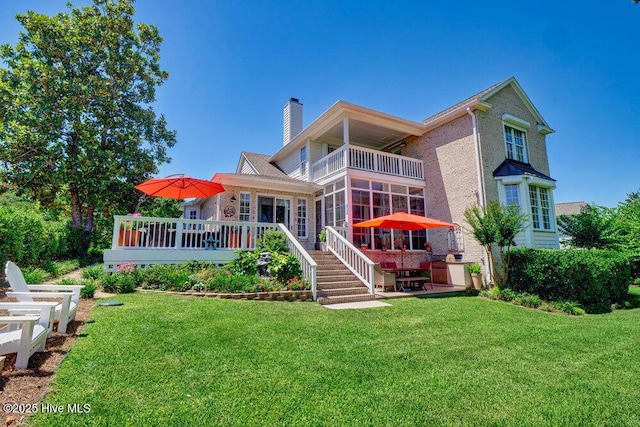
<point>266,182</point>
<point>570,208</point>
<point>480,101</point>
<point>259,164</point>
<point>512,167</point>
<point>336,113</point>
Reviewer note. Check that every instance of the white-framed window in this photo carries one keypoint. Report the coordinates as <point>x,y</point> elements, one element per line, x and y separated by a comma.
<point>516,143</point>
<point>244,213</point>
<point>193,214</point>
<point>512,194</point>
<point>303,161</point>
<point>302,218</point>
<point>540,207</point>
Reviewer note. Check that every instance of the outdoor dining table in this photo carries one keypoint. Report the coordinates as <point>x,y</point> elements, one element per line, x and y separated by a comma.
<point>411,276</point>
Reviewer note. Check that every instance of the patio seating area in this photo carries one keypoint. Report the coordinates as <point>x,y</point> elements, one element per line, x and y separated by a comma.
<point>409,278</point>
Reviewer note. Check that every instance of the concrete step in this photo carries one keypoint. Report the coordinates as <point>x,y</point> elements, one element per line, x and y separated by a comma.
<point>338,285</point>
<point>339,274</point>
<point>360,290</point>
<point>345,298</point>
<point>333,266</point>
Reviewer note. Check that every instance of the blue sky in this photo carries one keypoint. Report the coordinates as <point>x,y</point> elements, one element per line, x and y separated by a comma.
<point>234,64</point>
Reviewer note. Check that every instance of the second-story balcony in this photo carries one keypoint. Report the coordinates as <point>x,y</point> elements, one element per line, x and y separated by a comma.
<point>351,156</point>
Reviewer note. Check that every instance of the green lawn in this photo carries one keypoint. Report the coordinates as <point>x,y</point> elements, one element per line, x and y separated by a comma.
<point>172,360</point>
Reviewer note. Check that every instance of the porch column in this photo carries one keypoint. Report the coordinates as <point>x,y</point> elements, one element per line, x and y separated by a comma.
<point>345,140</point>
<point>345,131</point>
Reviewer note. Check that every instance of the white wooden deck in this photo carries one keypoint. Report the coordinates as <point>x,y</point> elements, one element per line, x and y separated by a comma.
<point>146,240</point>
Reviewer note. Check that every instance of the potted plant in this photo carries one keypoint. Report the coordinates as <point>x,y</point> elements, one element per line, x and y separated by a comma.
<point>476,278</point>
<point>129,234</point>
<point>322,237</point>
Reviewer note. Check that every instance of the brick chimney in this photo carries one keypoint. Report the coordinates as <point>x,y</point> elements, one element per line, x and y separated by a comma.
<point>292,120</point>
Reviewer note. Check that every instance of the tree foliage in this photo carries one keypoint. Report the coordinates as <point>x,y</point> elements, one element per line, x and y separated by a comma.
<point>591,228</point>
<point>496,224</point>
<point>605,228</point>
<point>76,125</point>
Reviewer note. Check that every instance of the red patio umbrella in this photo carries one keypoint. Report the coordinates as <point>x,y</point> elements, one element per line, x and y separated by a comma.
<point>404,221</point>
<point>179,187</point>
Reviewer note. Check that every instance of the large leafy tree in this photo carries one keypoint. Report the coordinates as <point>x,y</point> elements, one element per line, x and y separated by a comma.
<point>76,122</point>
<point>590,228</point>
<point>496,224</point>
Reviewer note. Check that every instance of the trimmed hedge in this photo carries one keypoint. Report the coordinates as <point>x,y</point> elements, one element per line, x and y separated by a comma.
<point>593,278</point>
<point>28,238</point>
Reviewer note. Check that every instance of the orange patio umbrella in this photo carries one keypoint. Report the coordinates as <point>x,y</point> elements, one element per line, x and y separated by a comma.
<point>179,187</point>
<point>404,221</point>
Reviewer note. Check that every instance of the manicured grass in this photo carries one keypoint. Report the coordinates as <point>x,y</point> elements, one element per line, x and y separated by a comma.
<point>172,360</point>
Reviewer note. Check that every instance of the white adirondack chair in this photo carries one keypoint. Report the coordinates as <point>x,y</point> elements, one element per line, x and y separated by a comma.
<point>25,334</point>
<point>65,311</point>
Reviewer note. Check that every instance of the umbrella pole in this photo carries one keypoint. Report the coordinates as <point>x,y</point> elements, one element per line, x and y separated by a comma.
<point>140,201</point>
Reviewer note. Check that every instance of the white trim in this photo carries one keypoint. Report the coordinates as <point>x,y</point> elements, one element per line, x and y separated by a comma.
<point>516,121</point>
<point>297,220</point>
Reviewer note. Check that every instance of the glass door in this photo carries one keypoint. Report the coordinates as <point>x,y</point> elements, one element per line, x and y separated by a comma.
<point>274,210</point>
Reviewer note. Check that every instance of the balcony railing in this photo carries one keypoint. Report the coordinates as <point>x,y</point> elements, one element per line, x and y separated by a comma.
<point>369,160</point>
<point>132,232</point>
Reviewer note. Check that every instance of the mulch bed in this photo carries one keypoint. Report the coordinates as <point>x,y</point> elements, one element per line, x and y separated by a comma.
<point>29,386</point>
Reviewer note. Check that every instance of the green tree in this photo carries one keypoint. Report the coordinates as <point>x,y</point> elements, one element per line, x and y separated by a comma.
<point>591,228</point>
<point>76,122</point>
<point>626,224</point>
<point>496,224</point>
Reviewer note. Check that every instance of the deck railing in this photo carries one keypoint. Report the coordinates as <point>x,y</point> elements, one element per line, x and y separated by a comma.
<point>132,232</point>
<point>351,257</point>
<point>308,265</point>
<point>370,160</point>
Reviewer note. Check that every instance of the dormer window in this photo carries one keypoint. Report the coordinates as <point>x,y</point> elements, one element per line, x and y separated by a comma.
<point>515,138</point>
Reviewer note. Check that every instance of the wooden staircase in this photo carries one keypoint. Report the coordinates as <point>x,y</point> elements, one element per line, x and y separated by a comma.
<point>335,282</point>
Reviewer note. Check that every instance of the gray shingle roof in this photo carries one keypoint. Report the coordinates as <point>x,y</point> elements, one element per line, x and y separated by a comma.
<point>477,97</point>
<point>569,208</point>
<point>261,163</point>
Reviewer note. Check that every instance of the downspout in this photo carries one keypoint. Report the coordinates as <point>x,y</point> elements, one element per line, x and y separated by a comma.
<point>481,201</point>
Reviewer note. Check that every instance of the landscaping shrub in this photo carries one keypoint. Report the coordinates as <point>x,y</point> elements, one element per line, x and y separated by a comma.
<point>167,277</point>
<point>95,273</point>
<point>284,267</point>
<point>531,301</point>
<point>595,279</point>
<point>89,289</point>
<point>34,276</point>
<point>634,264</point>
<point>121,282</point>
<point>246,263</point>
<point>528,300</point>
<point>27,237</point>
<point>272,241</point>
<point>89,286</point>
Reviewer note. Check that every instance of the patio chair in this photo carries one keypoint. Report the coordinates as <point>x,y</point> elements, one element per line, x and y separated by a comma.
<point>65,311</point>
<point>25,334</point>
<point>426,265</point>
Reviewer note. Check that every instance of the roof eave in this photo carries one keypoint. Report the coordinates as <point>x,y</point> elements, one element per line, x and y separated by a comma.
<point>265,182</point>
<point>341,109</point>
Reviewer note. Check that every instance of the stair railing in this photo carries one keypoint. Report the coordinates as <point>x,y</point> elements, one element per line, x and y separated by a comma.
<point>308,265</point>
<point>352,257</point>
